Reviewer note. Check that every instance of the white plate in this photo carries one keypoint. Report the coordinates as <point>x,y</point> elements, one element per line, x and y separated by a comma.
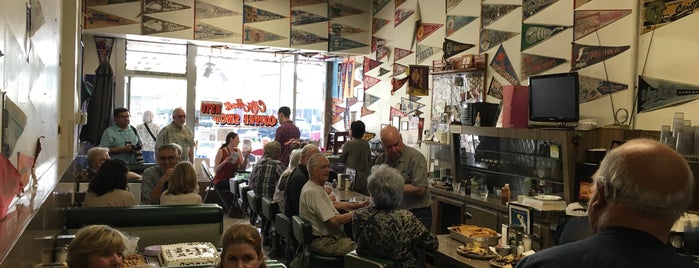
<point>548,197</point>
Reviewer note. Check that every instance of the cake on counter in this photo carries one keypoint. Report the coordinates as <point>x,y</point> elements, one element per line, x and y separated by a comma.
<point>187,254</point>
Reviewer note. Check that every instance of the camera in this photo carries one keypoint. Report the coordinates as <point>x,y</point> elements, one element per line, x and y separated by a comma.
<point>137,147</point>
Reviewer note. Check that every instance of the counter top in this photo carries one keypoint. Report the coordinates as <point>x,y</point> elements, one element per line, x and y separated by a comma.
<point>446,255</point>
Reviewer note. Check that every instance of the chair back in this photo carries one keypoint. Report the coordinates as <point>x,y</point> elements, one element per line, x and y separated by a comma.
<point>283,226</point>
<point>269,208</point>
<point>303,231</point>
<point>253,202</point>
<point>207,171</point>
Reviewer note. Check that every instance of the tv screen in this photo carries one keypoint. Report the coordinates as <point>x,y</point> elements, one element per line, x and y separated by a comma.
<point>553,99</point>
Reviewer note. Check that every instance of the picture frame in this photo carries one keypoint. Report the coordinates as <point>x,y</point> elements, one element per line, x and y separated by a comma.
<point>396,122</point>
<point>404,125</point>
<point>520,216</point>
<point>466,61</point>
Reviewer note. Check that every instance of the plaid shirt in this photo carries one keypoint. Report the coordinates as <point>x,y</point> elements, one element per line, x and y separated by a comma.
<point>265,175</point>
<point>285,132</point>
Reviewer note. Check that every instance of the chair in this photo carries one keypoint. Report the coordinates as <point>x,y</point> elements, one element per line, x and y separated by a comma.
<point>207,172</point>
<point>269,210</point>
<point>303,232</point>
<point>237,199</point>
<point>353,260</point>
<point>335,140</point>
<point>254,203</point>
<point>284,229</point>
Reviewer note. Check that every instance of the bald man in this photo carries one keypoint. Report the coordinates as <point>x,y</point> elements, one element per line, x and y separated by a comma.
<point>640,189</point>
<point>413,167</point>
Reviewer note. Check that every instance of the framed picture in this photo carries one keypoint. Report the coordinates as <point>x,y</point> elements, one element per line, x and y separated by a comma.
<point>404,125</point>
<point>466,61</point>
<point>520,216</point>
<point>396,122</point>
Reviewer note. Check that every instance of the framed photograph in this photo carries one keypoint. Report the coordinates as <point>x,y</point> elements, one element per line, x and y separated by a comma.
<point>466,61</point>
<point>404,125</point>
<point>396,122</point>
<point>520,216</point>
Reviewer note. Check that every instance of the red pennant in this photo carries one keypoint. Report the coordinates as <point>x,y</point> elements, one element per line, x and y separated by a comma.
<point>399,69</point>
<point>351,101</point>
<point>397,112</point>
<point>337,101</point>
<point>400,53</point>
<point>339,109</point>
<point>397,84</point>
<point>370,82</point>
<point>366,111</point>
<point>370,64</point>
<point>425,29</point>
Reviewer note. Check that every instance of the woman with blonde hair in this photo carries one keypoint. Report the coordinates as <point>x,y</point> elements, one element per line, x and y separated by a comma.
<point>96,246</point>
<point>242,247</point>
<point>182,187</point>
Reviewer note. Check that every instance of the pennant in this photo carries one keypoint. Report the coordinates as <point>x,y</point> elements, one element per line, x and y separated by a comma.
<point>424,52</point>
<point>383,71</point>
<point>370,82</point>
<point>589,21</point>
<point>377,42</point>
<point>454,23</point>
<point>401,15</point>
<point>579,3</point>
<point>370,99</point>
<point>656,14</point>
<point>10,184</point>
<point>252,14</point>
<point>414,98</point>
<point>399,69</point>
<point>205,10</point>
<point>97,19</point>
<point>378,23</point>
<point>339,109</point>
<point>91,3</point>
<point>493,38</point>
<point>418,82</point>
<point>495,88</point>
<point>337,28</point>
<point>338,43</point>
<point>370,64</point>
<point>593,88</point>
<point>492,13</point>
<point>452,48</point>
<point>397,84</point>
<point>351,101</point>
<point>382,52</point>
<point>37,17</point>
<point>104,46</point>
<point>300,17</point>
<point>409,106</point>
<point>152,25</point>
<point>425,29</point>
<point>656,93</point>
<point>337,10</point>
<point>585,55</point>
<point>400,53</point>
<point>451,4</point>
<point>399,2</point>
<point>533,34</point>
<point>397,112</point>
<point>535,64</point>
<point>25,163</point>
<point>158,6</point>
<point>301,3</point>
<point>531,7</point>
<point>337,118</point>
<point>379,4</point>
<point>300,38</point>
<point>203,31</point>
<point>502,65</point>
<point>366,111</point>
<point>252,35</point>
<point>337,101</point>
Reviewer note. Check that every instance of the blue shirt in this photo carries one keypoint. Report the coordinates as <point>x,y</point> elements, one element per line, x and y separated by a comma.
<point>115,136</point>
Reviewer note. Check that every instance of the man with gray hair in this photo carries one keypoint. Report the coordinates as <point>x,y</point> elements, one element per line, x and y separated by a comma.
<point>297,179</point>
<point>178,133</point>
<point>156,178</point>
<point>640,189</point>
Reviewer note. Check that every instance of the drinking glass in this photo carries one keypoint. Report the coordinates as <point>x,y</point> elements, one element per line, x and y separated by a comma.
<point>484,193</point>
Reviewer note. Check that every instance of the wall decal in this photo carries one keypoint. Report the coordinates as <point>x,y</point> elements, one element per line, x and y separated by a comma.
<point>533,34</point>
<point>585,55</point>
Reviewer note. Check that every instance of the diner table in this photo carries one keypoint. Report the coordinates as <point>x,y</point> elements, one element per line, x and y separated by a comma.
<point>156,262</point>
<point>446,255</point>
<point>349,195</point>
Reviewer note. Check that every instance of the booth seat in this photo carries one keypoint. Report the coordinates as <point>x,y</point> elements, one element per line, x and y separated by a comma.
<point>154,224</point>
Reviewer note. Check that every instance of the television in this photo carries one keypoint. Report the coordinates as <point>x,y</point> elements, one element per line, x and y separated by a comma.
<point>554,100</point>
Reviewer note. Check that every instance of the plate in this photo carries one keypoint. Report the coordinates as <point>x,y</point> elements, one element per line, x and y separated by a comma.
<point>463,252</point>
<point>505,262</point>
<point>548,197</point>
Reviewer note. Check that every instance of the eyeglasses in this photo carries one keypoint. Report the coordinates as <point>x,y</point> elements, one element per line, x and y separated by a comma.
<point>167,158</point>
<point>124,116</point>
<point>180,116</point>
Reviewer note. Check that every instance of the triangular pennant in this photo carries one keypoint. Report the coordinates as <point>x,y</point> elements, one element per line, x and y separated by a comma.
<point>424,52</point>
<point>337,43</point>
<point>383,71</point>
<point>451,4</point>
<point>370,82</point>
<point>337,10</point>
<point>589,21</point>
<point>11,181</point>
<point>91,3</point>
<point>531,7</point>
<point>337,119</point>
<point>351,101</point>
<point>365,111</point>
<point>397,84</point>
<point>203,31</point>
<point>579,3</point>
<point>399,53</point>
<point>414,98</point>
<point>491,13</point>
<point>337,28</point>
<point>302,3</point>
<point>36,18</point>
<point>533,34</point>
<point>495,88</point>
<point>451,48</point>
<point>502,65</point>
<point>399,2</point>
<point>104,46</point>
<point>206,10</point>
<point>370,64</point>
<point>252,14</point>
<point>656,93</point>
<point>97,19</point>
<point>585,55</point>
<point>401,15</point>
<point>337,101</point>
<point>300,17</point>
<point>399,69</point>
<point>397,112</point>
<point>656,14</point>
<point>339,109</point>
<point>593,88</point>
<point>158,6</point>
<point>454,23</point>
<point>379,4</point>
<point>493,38</point>
<point>370,99</point>
<point>300,38</point>
<point>152,25</point>
<point>535,64</point>
<point>425,29</point>
<point>382,52</point>
<point>253,35</point>
<point>377,42</point>
<point>378,23</point>
<point>409,106</point>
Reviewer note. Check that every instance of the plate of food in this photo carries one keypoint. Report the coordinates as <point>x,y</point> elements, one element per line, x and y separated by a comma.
<point>476,251</point>
<point>508,261</point>
<point>472,233</point>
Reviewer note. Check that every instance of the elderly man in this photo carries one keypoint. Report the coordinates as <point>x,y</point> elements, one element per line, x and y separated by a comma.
<point>298,178</point>
<point>267,171</point>
<point>178,133</point>
<point>286,132</point>
<point>156,178</point>
<point>640,189</point>
<point>413,167</point>
<point>121,138</point>
<point>96,156</point>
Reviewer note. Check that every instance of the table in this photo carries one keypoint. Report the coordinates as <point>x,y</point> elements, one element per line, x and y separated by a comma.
<point>270,263</point>
<point>446,255</point>
<point>348,195</point>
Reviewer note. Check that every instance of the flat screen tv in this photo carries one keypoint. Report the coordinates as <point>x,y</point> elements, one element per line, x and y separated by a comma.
<point>553,100</point>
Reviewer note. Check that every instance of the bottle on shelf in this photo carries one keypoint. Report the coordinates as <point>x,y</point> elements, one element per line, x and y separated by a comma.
<point>532,190</point>
<point>505,194</point>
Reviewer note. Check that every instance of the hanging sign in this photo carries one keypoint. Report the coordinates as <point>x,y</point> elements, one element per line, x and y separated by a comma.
<point>249,117</point>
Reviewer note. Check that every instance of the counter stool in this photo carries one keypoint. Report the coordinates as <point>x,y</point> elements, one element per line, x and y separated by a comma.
<point>303,232</point>
<point>353,260</point>
<point>254,205</point>
<point>269,210</point>
<point>285,231</point>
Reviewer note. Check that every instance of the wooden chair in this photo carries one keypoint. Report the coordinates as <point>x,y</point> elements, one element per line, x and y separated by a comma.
<point>212,186</point>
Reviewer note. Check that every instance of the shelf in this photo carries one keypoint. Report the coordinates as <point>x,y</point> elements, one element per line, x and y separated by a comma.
<point>518,154</point>
<point>455,71</point>
<point>502,173</point>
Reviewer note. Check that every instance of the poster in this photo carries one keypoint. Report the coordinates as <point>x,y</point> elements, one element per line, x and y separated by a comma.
<point>419,78</point>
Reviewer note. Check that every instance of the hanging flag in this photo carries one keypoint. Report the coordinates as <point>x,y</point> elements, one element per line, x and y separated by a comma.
<point>104,46</point>
<point>399,69</point>
<point>452,48</point>
<point>91,3</point>
<point>337,119</point>
<point>451,4</point>
<point>382,52</point>
<point>10,184</point>
<point>656,14</point>
<point>425,29</point>
<point>370,99</point>
<point>370,82</point>
<point>206,10</point>
<point>370,64</point>
<point>97,19</point>
<point>252,14</point>
<point>454,23</point>
<point>351,101</point>
<point>365,111</point>
<point>579,3</point>
<point>593,88</point>
<point>339,109</point>
<point>252,35</point>
<point>337,10</point>
<point>203,31</point>
<point>337,28</point>
<point>585,55</point>
<point>533,34</point>
<point>401,15</point>
<point>400,53</point>
<point>589,21</point>
<point>419,80</point>
<point>493,38</point>
<point>378,5</point>
<point>535,64</point>
<point>378,23</point>
<point>492,13</point>
<point>531,7</point>
<point>502,65</point>
<point>409,106</point>
<point>25,163</point>
<point>495,88</point>
<point>424,52</point>
<point>414,98</point>
<point>300,38</point>
<point>377,42</point>
<point>397,84</point>
<point>656,93</point>
<point>301,3</point>
<point>337,43</point>
<point>397,112</point>
<point>158,6</point>
<point>152,25</point>
<point>300,17</point>
<point>399,2</point>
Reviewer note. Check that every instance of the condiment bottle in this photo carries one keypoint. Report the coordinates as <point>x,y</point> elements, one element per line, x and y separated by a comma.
<point>505,194</point>
<point>520,249</point>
